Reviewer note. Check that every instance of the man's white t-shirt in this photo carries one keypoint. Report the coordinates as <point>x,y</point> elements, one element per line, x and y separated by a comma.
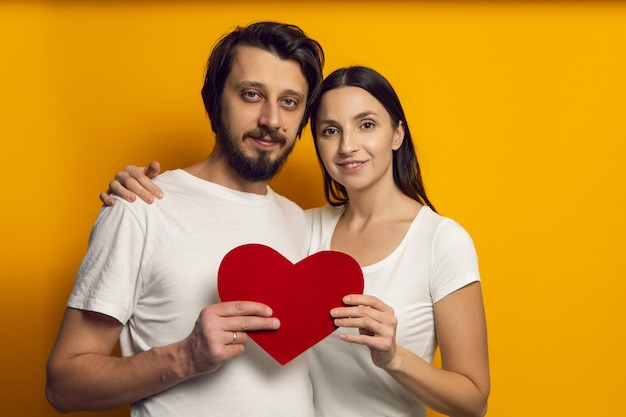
<point>154,267</point>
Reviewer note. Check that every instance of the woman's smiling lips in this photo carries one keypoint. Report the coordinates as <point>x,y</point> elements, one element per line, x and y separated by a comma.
<point>351,165</point>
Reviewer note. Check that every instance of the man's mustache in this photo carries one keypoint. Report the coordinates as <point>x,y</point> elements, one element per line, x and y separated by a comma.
<point>274,135</point>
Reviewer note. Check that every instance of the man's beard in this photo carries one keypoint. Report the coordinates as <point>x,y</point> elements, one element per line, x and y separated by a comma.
<point>252,168</point>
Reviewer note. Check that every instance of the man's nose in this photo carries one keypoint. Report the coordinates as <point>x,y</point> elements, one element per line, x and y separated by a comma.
<point>270,116</point>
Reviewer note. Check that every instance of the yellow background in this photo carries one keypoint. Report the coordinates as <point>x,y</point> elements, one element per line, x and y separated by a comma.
<point>518,114</point>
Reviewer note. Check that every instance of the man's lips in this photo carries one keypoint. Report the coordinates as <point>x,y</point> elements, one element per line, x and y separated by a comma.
<point>266,139</point>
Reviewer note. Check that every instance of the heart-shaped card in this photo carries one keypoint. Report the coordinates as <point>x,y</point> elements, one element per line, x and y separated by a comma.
<point>301,295</point>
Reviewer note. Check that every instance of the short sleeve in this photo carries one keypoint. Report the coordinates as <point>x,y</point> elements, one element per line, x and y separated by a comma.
<point>455,263</point>
<point>109,278</point>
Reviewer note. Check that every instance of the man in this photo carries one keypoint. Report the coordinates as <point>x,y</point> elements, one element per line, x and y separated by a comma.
<point>149,275</point>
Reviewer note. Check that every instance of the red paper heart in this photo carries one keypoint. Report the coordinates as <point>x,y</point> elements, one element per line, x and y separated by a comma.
<point>300,295</point>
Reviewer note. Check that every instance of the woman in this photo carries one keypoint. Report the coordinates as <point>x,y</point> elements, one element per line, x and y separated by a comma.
<point>422,286</point>
<point>420,269</point>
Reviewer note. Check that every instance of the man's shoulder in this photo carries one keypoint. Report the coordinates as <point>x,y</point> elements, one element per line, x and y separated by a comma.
<point>178,182</point>
<point>170,177</point>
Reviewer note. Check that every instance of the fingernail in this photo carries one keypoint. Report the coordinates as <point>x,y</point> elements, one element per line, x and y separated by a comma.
<point>275,324</point>
<point>159,194</point>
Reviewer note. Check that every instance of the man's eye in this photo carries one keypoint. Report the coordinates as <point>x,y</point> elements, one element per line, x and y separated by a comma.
<point>290,102</point>
<point>250,94</point>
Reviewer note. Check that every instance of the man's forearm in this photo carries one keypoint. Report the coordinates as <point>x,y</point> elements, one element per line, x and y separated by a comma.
<point>99,382</point>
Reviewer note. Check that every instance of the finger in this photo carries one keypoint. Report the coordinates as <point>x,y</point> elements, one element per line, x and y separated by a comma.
<point>243,308</point>
<point>375,343</point>
<point>149,188</point>
<point>246,316</point>
<point>136,182</point>
<point>236,338</point>
<point>361,311</point>
<point>250,323</point>
<point>107,199</point>
<point>365,323</point>
<point>123,191</point>
<point>153,169</point>
<point>130,172</point>
<point>365,300</point>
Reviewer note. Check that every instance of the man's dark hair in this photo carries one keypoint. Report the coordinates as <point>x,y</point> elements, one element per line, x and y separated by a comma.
<point>283,40</point>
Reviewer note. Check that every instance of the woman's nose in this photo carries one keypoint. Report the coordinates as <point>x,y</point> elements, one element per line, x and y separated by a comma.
<point>348,143</point>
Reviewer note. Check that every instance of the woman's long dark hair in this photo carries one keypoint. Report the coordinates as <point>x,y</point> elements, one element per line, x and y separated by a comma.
<point>406,170</point>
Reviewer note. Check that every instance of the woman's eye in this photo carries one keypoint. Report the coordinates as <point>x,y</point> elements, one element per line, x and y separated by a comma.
<point>368,125</point>
<point>329,131</point>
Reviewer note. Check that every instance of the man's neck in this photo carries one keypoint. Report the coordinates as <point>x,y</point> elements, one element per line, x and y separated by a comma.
<point>217,170</point>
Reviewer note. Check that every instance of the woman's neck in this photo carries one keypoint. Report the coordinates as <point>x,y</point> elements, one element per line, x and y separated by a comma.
<point>389,205</point>
<point>372,226</point>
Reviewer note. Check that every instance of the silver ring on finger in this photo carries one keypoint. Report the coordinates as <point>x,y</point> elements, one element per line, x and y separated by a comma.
<point>234,338</point>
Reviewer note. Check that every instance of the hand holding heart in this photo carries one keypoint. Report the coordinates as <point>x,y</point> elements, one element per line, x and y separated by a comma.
<point>211,340</point>
<point>376,322</point>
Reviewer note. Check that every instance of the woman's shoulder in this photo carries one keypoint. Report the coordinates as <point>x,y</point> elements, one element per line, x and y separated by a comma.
<point>439,226</point>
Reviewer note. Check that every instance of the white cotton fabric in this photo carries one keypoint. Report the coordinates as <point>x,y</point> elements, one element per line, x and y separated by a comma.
<point>154,267</point>
<point>435,258</point>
